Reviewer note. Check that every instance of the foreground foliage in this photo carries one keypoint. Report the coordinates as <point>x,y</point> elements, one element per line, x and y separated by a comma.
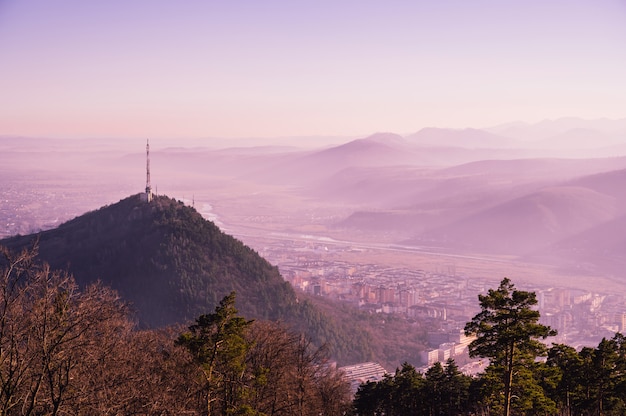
<point>66,351</point>
<point>76,352</point>
<point>589,382</point>
<point>442,391</point>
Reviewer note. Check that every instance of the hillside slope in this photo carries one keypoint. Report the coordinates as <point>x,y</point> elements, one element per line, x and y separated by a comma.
<point>529,223</point>
<point>165,258</point>
<point>172,265</point>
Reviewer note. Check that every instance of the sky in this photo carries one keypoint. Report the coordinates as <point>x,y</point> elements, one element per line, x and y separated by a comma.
<point>278,68</point>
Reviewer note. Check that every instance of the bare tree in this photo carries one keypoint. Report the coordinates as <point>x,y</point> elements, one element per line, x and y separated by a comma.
<point>290,376</point>
<point>51,333</point>
<point>67,351</point>
<point>16,272</point>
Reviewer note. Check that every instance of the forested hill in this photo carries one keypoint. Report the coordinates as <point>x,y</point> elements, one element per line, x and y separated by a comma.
<point>163,257</point>
<point>172,265</point>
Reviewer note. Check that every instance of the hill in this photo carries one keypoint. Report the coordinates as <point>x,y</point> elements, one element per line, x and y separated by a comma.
<point>528,223</point>
<point>597,250</point>
<point>310,167</point>
<point>165,258</point>
<point>172,265</point>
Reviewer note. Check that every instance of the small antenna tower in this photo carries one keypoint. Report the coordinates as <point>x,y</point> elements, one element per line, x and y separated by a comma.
<point>148,187</point>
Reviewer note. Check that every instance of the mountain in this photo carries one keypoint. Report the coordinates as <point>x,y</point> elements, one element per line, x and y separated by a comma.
<point>377,186</point>
<point>381,149</point>
<point>465,138</point>
<point>580,138</point>
<point>550,128</point>
<point>609,183</point>
<point>601,249</point>
<point>528,223</point>
<point>164,258</point>
<point>409,201</point>
<point>306,168</point>
<point>172,265</point>
<point>538,168</point>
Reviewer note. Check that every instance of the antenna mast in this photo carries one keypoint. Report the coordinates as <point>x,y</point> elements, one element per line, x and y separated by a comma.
<point>148,187</point>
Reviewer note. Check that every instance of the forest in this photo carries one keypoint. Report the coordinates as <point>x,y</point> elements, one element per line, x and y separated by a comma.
<point>66,350</point>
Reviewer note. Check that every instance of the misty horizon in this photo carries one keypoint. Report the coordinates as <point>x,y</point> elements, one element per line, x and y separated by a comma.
<point>563,133</point>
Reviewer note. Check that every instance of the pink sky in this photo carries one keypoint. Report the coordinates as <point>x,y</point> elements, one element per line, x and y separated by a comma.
<point>199,68</point>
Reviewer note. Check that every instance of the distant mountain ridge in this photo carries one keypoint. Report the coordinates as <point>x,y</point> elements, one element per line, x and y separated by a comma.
<point>528,223</point>
<point>550,128</point>
<point>556,211</point>
<point>465,138</point>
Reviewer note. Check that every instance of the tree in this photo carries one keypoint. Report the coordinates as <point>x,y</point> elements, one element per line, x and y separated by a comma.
<point>70,350</point>
<point>52,335</point>
<point>17,271</point>
<point>260,368</point>
<point>602,377</point>
<point>404,393</point>
<point>457,389</point>
<point>218,344</point>
<point>367,400</point>
<point>447,389</point>
<point>408,391</point>
<point>286,375</point>
<point>435,388</point>
<point>608,363</point>
<point>508,332</point>
<point>270,366</point>
<point>566,381</point>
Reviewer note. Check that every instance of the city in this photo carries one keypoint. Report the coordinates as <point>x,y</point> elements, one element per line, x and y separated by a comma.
<point>441,296</point>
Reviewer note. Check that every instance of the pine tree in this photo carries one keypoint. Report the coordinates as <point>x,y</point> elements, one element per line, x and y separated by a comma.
<point>456,389</point>
<point>217,342</point>
<point>507,331</point>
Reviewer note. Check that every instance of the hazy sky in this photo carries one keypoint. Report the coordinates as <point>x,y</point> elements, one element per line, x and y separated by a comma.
<point>232,68</point>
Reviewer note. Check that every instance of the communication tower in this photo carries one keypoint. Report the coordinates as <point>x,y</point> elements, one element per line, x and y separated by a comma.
<point>148,194</point>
